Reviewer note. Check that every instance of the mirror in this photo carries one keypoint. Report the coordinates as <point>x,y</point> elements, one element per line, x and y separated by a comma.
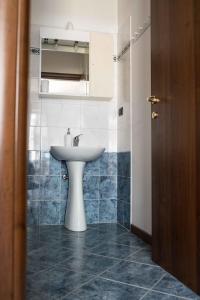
<point>64,67</point>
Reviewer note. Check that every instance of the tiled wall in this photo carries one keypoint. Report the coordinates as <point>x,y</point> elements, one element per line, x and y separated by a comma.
<point>50,118</point>
<point>124,127</point>
<point>48,121</point>
<point>47,191</point>
<point>123,188</point>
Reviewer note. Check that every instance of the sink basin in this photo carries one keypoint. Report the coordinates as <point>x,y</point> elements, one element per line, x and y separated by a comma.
<point>76,158</point>
<point>76,153</point>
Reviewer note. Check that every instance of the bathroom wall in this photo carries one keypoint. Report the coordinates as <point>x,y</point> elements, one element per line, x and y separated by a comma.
<point>49,119</point>
<point>124,126</point>
<point>134,127</point>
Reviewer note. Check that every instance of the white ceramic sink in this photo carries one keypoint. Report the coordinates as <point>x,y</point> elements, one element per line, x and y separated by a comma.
<point>76,153</point>
<point>76,158</point>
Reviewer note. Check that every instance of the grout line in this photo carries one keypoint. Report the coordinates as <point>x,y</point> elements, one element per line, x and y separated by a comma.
<point>125,260</point>
<point>173,295</point>
<point>127,284</point>
<point>123,227</point>
<point>153,286</point>
<point>94,277</point>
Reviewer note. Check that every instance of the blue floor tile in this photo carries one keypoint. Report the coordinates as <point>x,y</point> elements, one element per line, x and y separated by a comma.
<point>46,257</point>
<point>106,262</point>
<point>136,274</point>
<point>128,239</point>
<point>114,250</point>
<point>159,296</point>
<point>114,229</point>
<point>171,285</point>
<point>142,256</point>
<point>57,282</point>
<point>101,289</point>
<point>88,263</point>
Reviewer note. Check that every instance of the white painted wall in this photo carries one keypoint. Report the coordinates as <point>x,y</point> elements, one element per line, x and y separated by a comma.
<point>49,118</point>
<point>139,10</point>
<point>123,84</point>
<point>89,15</point>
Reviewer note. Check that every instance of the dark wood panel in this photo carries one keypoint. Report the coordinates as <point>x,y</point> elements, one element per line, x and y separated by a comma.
<point>197,90</point>
<point>62,76</point>
<point>20,151</point>
<point>13,87</point>
<point>174,144</point>
<point>8,21</point>
<point>141,234</point>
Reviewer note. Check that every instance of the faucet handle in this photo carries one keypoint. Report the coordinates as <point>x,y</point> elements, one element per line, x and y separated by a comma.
<point>77,136</point>
<point>76,140</point>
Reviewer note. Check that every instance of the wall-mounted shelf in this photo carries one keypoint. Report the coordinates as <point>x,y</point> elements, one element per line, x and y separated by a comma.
<point>63,96</point>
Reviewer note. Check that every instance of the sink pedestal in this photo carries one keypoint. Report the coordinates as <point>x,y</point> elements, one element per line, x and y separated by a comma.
<point>75,219</point>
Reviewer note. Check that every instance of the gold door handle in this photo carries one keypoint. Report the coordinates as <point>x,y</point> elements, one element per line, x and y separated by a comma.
<point>154,115</point>
<point>153,99</point>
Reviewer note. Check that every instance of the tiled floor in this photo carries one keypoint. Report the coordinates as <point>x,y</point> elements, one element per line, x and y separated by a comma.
<point>104,263</point>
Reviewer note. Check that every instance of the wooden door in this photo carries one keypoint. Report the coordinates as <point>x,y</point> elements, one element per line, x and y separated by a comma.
<point>176,138</point>
<point>13,115</point>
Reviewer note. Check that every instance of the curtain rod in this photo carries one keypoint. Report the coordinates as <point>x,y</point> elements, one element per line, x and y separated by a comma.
<point>136,36</point>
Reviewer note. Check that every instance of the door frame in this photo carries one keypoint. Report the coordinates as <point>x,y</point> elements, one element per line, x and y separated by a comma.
<point>14,28</point>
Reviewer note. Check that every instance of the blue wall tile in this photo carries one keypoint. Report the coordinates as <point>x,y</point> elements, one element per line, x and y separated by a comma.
<point>33,187</point>
<point>33,163</point>
<point>127,215</point>
<point>32,213</point>
<point>108,187</point>
<point>91,187</point>
<point>64,168</point>
<point>123,164</point>
<point>50,187</point>
<point>108,164</point>
<point>64,189</point>
<point>120,212</point>
<point>108,211</point>
<point>49,165</point>
<point>92,168</point>
<point>123,189</point>
<point>92,211</point>
<point>63,206</point>
<point>49,212</point>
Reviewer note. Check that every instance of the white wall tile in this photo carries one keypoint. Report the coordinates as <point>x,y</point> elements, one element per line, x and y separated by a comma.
<point>94,137</point>
<point>98,119</point>
<point>54,136</point>
<point>34,138</point>
<point>70,115</point>
<point>60,113</point>
<point>99,137</point>
<point>33,89</point>
<point>51,136</point>
<point>35,35</point>
<point>112,141</point>
<point>99,116</point>
<point>34,113</point>
<point>51,112</point>
<point>34,62</point>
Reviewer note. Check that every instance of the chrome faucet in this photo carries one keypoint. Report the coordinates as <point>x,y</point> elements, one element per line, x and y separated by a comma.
<point>76,140</point>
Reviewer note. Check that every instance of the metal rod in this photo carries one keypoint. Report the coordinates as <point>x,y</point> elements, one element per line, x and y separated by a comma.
<point>136,36</point>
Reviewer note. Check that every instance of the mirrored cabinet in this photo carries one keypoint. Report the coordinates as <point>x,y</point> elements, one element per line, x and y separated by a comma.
<point>75,64</point>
